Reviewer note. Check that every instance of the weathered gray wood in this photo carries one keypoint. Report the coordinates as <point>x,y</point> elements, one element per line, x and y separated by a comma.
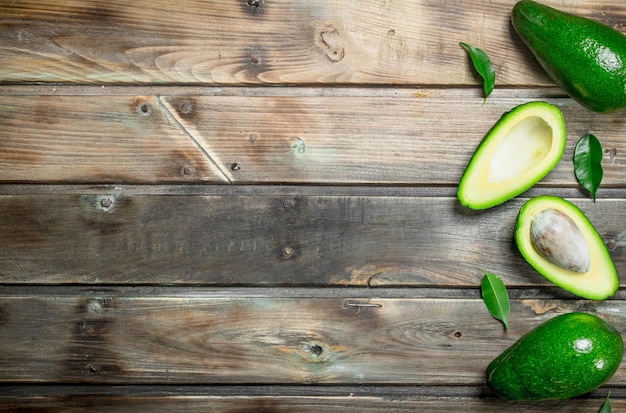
<point>109,338</point>
<point>111,237</point>
<point>344,139</point>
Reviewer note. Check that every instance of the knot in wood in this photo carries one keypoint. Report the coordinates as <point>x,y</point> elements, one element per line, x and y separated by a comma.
<point>329,40</point>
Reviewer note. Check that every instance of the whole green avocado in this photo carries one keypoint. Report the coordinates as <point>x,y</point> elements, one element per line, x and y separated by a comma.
<point>567,356</point>
<point>585,58</point>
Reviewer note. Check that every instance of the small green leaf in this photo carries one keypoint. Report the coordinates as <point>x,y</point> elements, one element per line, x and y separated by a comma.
<point>496,297</point>
<point>588,163</point>
<point>606,406</point>
<point>483,66</point>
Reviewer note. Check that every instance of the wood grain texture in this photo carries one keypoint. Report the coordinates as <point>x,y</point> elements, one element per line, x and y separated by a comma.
<point>355,400</point>
<point>195,217</point>
<point>112,237</point>
<point>407,140</point>
<point>87,139</point>
<point>268,42</point>
<point>124,339</point>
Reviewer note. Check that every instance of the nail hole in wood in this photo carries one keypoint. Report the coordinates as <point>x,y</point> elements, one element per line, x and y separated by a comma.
<point>298,145</point>
<point>186,107</point>
<point>316,350</point>
<point>106,203</point>
<point>95,307</point>
<point>289,203</point>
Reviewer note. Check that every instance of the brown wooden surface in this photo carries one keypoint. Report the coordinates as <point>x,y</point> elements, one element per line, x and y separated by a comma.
<point>287,400</point>
<point>389,139</point>
<point>250,206</point>
<point>268,42</point>
<point>249,338</point>
<point>292,239</point>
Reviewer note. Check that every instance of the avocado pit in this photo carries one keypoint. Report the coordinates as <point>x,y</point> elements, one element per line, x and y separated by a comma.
<point>558,239</point>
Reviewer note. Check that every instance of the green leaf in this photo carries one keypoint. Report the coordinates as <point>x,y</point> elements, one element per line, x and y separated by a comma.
<point>483,66</point>
<point>588,163</point>
<point>606,406</point>
<point>496,297</point>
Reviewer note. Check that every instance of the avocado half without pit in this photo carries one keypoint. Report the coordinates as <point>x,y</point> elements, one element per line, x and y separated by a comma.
<point>522,147</point>
<point>560,242</point>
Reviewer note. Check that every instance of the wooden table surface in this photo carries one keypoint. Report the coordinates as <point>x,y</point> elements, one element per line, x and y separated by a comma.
<point>250,206</point>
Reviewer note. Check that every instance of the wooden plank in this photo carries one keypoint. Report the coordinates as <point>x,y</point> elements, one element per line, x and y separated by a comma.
<point>112,237</point>
<point>212,339</point>
<point>86,139</point>
<point>362,139</point>
<point>354,400</point>
<point>268,42</point>
<point>418,141</point>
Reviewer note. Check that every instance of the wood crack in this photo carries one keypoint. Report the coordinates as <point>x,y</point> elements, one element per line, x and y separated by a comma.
<point>202,149</point>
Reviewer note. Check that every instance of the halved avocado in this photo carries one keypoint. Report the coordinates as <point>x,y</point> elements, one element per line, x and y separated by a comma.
<point>522,147</point>
<point>598,281</point>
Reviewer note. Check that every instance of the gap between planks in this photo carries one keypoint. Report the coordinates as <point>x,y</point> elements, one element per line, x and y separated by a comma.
<point>394,190</point>
<point>383,91</point>
<point>360,296</point>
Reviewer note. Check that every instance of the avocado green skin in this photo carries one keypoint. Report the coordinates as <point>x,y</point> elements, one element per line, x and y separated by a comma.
<point>585,58</point>
<point>567,356</point>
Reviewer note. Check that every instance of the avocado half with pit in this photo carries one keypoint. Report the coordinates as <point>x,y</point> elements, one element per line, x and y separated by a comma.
<point>560,242</point>
<point>522,147</point>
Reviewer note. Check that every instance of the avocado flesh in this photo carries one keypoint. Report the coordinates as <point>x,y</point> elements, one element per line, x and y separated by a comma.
<point>522,147</point>
<point>585,58</point>
<point>566,356</point>
<point>600,281</point>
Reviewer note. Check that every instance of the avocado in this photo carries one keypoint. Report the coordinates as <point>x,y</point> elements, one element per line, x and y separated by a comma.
<point>566,356</point>
<point>586,58</point>
<point>523,146</point>
<point>560,242</point>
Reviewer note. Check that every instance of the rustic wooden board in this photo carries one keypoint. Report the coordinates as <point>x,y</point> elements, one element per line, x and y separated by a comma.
<point>269,42</point>
<point>124,337</point>
<point>86,139</point>
<point>406,140</point>
<point>178,233</point>
<point>353,400</point>
<point>258,239</point>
